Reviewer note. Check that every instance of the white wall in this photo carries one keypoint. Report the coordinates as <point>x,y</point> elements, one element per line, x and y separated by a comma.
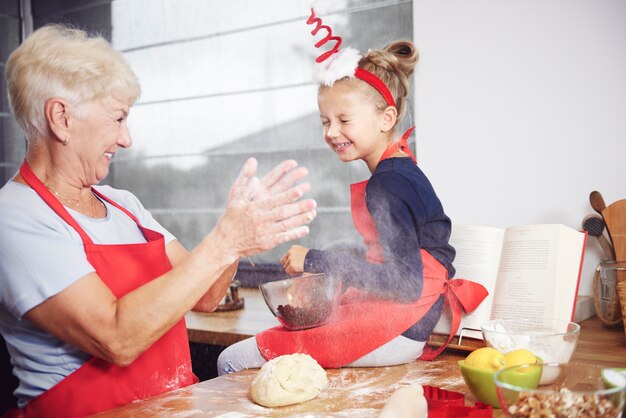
<point>521,109</point>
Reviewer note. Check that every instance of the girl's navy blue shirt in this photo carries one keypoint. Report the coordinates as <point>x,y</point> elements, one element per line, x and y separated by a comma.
<point>409,216</point>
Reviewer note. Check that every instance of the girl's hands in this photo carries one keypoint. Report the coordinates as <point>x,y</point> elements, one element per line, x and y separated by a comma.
<point>263,213</point>
<point>293,260</point>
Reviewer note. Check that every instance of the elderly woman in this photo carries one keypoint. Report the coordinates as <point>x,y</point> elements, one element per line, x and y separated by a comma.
<point>93,291</point>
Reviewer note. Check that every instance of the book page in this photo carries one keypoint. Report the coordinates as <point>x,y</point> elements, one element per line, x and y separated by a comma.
<point>477,259</point>
<point>539,271</point>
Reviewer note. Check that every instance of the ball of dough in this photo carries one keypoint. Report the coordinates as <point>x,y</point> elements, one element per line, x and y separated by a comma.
<point>288,380</point>
<point>406,402</point>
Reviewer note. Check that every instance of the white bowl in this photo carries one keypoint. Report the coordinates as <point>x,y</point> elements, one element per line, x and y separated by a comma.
<point>553,342</point>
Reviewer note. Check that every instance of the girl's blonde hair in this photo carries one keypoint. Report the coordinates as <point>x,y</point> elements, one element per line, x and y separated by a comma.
<point>394,66</point>
<point>59,61</point>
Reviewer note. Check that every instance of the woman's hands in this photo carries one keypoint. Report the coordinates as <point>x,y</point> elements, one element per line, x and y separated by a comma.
<point>293,260</point>
<point>263,213</point>
<point>260,214</point>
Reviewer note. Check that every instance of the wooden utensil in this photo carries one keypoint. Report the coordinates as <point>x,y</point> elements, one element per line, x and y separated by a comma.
<point>615,220</point>
<point>594,225</point>
<point>597,201</point>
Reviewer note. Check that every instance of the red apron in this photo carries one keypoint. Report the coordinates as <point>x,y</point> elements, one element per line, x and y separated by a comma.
<point>99,385</point>
<point>363,323</point>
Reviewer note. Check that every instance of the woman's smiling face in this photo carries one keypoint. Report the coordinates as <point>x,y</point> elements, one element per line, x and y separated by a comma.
<point>352,125</point>
<point>99,132</point>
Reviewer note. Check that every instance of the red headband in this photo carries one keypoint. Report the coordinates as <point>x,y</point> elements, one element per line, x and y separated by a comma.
<point>375,82</point>
<point>336,69</point>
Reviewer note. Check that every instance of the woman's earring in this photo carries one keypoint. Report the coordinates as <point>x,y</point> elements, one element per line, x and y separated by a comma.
<point>66,140</point>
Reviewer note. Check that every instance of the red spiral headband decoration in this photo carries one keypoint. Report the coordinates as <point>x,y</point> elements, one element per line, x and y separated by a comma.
<point>329,36</point>
<point>356,71</point>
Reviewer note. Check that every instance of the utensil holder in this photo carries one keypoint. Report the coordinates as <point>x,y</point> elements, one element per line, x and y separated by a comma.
<point>605,296</point>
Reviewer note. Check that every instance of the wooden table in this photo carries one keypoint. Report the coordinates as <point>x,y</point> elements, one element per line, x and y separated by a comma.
<point>226,328</point>
<point>352,392</point>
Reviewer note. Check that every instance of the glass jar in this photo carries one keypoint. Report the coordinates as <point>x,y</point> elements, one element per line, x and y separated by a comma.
<point>606,297</point>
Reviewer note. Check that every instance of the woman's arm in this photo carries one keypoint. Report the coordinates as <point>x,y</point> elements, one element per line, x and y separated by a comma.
<point>211,299</point>
<point>260,215</point>
<point>88,315</point>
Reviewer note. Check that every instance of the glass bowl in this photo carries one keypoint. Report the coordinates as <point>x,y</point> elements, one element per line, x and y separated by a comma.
<point>302,302</point>
<point>553,342</point>
<point>572,390</point>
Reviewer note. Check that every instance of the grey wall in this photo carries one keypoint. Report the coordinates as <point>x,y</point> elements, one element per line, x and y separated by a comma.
<point>521,109</point>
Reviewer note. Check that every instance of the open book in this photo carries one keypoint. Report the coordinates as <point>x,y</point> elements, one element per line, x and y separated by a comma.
<point>530,271</point>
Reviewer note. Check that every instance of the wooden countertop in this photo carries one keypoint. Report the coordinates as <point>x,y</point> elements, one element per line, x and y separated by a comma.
<point>352,392</point>
<point>226,328</point>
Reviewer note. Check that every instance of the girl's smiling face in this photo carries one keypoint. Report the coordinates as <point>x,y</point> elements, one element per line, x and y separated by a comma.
<point>352,125</point>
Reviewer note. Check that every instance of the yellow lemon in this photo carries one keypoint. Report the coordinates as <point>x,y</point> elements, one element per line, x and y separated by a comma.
<point>519,356</point>
<point>485,358</point>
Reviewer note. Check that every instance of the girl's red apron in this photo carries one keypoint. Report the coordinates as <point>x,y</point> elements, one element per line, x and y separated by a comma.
<point>362,323</point>
<point>99,385</point>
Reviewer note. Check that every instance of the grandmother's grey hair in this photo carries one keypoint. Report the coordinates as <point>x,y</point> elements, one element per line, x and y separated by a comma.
<point>60,61</point>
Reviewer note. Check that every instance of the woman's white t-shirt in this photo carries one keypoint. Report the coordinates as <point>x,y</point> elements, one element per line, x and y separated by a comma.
<point>41,255</point>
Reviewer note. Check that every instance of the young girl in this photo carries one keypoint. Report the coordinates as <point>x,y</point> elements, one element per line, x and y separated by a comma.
<point>397,290</point>
<point>359,124</point>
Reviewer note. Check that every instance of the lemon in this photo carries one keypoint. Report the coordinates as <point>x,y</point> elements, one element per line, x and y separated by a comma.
<point>518,357</point>
<point>485,358</point>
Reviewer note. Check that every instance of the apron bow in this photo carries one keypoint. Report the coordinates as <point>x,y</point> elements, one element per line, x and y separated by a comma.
<point>469,294</point>
<point>463,296</point>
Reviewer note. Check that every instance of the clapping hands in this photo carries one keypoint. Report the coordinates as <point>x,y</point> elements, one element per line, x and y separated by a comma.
<point>263,213</point>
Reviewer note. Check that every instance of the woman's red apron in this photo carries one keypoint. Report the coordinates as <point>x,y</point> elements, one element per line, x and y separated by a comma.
<point>363,323</point>
<point>99,385</point>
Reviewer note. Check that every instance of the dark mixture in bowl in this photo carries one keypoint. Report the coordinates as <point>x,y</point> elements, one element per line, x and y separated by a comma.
<point>294,317</point>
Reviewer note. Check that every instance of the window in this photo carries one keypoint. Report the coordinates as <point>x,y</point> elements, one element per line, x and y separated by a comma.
<point>222,81</point>
<point>13,145</point>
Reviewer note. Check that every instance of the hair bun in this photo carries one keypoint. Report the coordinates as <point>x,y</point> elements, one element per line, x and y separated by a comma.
<point>404,50</point>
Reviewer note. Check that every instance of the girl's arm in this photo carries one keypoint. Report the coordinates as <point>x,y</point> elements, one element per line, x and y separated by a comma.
<point>399,216</point>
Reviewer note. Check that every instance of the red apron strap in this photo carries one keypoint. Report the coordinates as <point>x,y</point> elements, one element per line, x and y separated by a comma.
<point>402,145</point>
<point>120,207</point>
<point>37,185</point>
<point>149,234</point>
<point>365,224</point>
